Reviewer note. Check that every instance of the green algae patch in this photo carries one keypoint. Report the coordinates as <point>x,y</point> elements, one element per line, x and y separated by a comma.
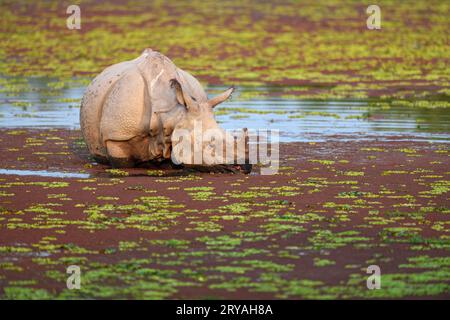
<point>323,262</point>
<point>406,66</point>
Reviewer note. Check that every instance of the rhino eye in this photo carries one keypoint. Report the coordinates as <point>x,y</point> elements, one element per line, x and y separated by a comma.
<point>193,98</point>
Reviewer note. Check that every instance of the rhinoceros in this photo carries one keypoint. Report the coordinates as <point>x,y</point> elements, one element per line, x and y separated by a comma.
<point>131,112</point>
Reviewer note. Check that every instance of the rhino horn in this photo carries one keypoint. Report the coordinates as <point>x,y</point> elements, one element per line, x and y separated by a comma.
<point>221,97</point>
<point>182,97</point>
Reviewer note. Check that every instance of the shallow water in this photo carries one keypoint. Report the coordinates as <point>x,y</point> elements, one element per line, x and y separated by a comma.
<point>297,120</point>
<point>349,120</point>
<point>44,173</point>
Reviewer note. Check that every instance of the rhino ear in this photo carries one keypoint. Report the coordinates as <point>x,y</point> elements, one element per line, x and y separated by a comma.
<point>220,98</point>
<point>182,97</point>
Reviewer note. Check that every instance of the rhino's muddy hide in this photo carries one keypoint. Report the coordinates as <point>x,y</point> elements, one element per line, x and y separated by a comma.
<point>130,110</point>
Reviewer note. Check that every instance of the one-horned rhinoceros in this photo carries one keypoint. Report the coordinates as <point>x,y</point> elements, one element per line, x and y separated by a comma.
<point>147,109</point>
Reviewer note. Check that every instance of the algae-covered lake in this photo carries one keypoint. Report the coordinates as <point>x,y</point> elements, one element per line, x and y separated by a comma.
<point>363,180</point>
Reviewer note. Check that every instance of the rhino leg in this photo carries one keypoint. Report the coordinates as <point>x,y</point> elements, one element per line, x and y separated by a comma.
<point>119,154</point>
<point>101,159</point>
<point>128,153</point>
<point>121,163</point>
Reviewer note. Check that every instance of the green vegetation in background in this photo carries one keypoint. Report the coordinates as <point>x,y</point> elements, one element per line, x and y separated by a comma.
<point>322,48</point>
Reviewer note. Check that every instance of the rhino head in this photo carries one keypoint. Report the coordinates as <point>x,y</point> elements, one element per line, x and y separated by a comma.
<point>198,140</point>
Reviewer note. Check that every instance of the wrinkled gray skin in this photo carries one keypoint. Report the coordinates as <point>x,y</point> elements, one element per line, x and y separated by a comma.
<point>131,110</point>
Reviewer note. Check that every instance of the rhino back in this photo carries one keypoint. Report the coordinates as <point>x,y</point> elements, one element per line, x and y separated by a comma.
<point>131,106</point>
<point>113,106</point>
<point>126,109</point>
<point>92,105</point>
<point>126,101</point>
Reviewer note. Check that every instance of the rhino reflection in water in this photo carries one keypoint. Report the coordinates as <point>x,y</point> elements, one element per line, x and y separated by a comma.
<point>147,109</point>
